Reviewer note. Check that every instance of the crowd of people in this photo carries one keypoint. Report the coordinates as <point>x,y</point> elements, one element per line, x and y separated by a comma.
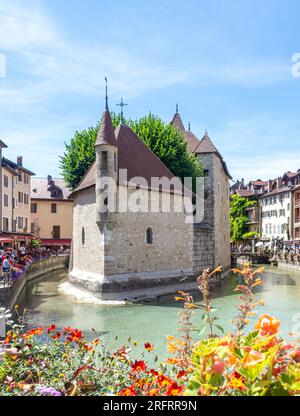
<point>14,261</point>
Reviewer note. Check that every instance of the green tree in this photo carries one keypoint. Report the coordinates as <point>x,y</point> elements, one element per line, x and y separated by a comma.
<point>163,139</point>
<point>239,217</point>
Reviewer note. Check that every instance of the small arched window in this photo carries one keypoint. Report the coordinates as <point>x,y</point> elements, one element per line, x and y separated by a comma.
<point>83,236</point>
<point>149,235</point>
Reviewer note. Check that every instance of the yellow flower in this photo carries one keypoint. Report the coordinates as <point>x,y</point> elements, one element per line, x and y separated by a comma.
<point>61,375</point>
<point>135,343</point>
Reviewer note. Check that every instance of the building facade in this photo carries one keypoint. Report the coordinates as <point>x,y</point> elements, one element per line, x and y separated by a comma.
<point>51,211</point>
<point>15,196</point>
<point>277,213</point>
<point>119,250</point>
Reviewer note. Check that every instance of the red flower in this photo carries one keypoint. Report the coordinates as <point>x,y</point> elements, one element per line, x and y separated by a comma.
<point>139,366</point>
<point>174,389</point>
<point>153,372</point>
<point>57,335</point>
<point>181,373</point>
<point>148,346</point>
<point>51,328</point>
<point>75,336</point>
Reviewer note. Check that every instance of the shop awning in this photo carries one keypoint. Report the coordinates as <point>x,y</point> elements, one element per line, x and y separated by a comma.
<point>56,242</point>
<point>19,236</point>
<point>5,239</point>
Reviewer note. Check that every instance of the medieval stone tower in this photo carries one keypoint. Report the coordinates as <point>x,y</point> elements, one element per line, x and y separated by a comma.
<point>211,237</point>
<point>106,183</point>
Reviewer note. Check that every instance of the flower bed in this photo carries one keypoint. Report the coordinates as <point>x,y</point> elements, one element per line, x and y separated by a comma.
<point>59,361</point>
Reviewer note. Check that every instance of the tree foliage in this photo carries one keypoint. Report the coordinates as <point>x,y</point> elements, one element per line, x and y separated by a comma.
<point>163,139</point>
<point>239,217</point>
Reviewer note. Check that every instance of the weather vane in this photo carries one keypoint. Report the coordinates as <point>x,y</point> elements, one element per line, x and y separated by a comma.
<point>176,108</point>
<point>122,105</point>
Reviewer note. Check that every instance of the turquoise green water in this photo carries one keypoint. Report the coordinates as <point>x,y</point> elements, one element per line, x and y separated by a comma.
<point>152,321</point>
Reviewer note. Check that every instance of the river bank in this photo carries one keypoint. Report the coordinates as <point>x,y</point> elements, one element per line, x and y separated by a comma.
<point>9,295</point>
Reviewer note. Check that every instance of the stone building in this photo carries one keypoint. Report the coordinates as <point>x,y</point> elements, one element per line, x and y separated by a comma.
<point>51,211</point>
<point>212,235</point>
<point>122,253</point>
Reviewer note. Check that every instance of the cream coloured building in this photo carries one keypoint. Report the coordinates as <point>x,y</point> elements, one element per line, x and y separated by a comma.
<point>15,189</point>
<point>51,211</point>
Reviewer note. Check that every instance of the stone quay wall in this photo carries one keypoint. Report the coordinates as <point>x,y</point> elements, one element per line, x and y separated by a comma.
<point>10,295</point>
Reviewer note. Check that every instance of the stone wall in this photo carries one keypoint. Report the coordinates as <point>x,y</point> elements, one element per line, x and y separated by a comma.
<point>214,234</point>
<point>9,296</point>
<point>120,248</point>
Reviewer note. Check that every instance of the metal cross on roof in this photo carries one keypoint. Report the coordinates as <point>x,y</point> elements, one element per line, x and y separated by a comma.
<point>122,105</point>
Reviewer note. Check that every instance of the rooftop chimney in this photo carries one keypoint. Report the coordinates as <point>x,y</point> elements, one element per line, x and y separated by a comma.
<point>270,185</point>
<point>279,182</point>
<point>49,179</point>
<point>20,161</point>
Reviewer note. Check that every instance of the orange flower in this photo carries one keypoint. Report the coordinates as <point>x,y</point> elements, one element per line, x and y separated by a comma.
<point>173,361</point>
<point>148,346</point>
<point>267,325</point>
<point>177,298</point>
<point>257,283</point>
<point>217,270</point>
<point>237,383</point>
<point>172,347</point>
<point>191,305</point>
<point>128,391</point>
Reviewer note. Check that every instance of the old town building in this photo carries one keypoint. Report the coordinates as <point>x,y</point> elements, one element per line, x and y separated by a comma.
<point>51,211</point>
<point>116,251</point>
<point>15,197</point>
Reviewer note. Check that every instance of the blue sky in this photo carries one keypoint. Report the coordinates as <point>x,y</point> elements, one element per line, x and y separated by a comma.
<point>227,64</point>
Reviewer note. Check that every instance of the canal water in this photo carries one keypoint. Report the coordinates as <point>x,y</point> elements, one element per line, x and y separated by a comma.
<point>153,321</point>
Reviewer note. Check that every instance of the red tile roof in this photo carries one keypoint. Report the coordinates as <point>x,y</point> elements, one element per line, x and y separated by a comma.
<point>134,156</point>
<point>39,188</point>
<point>177,122</point>
<point>192,141</point>
<point>244,192</point>
<point>206,146</point>
<point>106,133</point>
<point>190,138</point>
<point>260,182</point>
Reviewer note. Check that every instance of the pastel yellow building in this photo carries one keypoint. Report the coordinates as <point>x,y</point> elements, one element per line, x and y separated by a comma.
<point>51,211</point>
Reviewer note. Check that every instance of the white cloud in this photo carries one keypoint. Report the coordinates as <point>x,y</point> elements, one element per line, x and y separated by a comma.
<point>24,27</point>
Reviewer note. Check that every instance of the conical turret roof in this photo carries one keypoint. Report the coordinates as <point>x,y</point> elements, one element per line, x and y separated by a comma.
<point>106,132</point>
